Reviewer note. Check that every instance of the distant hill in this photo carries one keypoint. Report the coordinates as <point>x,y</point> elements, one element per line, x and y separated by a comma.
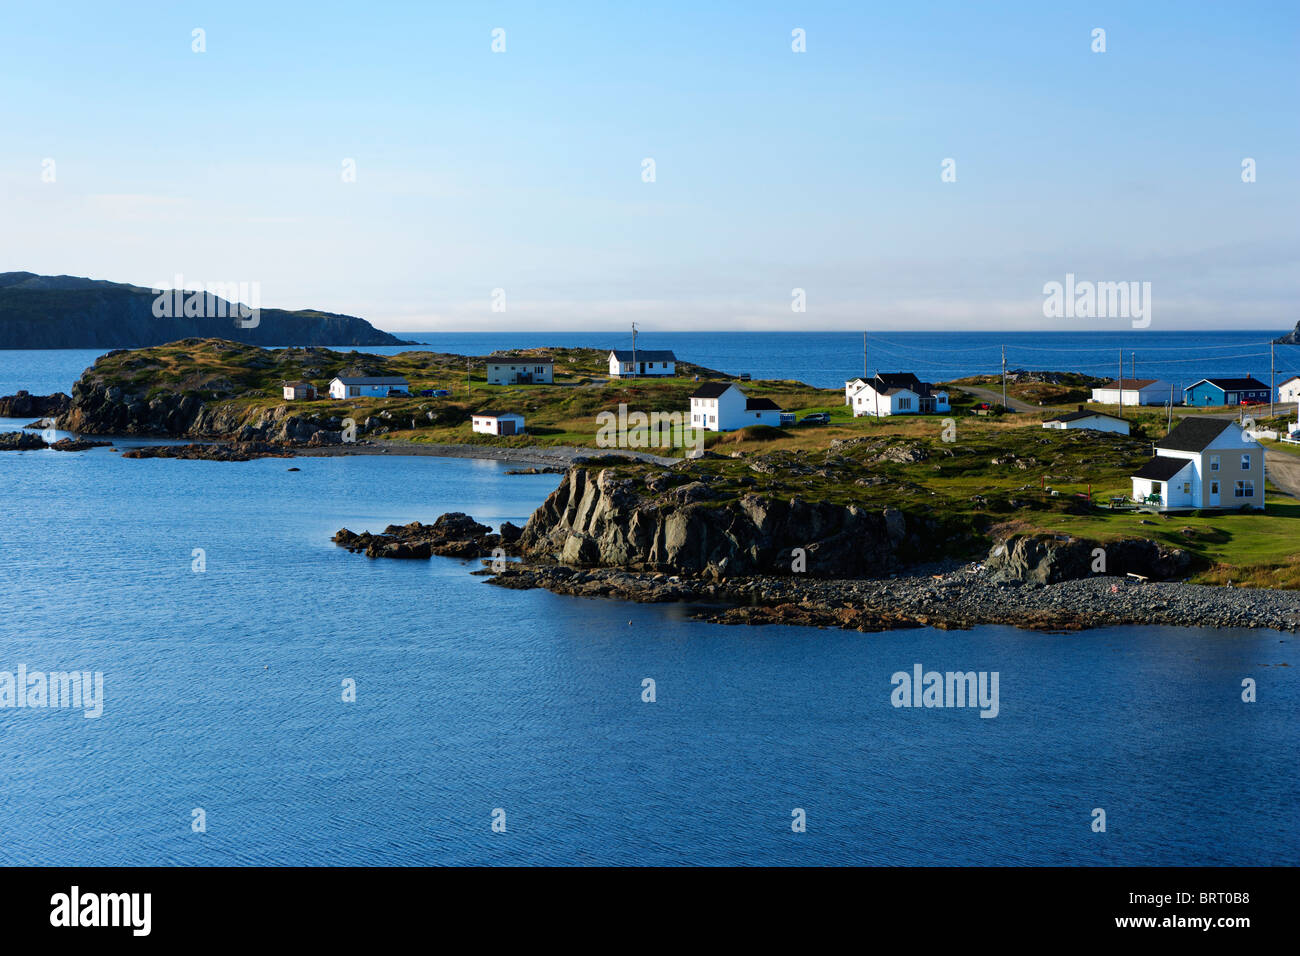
<point>68,312</point>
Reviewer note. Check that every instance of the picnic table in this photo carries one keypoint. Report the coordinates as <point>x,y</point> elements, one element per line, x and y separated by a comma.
<point>1117,501</point>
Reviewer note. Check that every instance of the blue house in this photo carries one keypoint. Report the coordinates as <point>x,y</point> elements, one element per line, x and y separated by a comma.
<point>1226,391</point>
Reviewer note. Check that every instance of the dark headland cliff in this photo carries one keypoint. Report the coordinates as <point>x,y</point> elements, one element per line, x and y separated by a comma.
<point>69,312</point>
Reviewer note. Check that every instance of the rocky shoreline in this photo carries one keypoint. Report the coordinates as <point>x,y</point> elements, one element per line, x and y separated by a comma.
<point>957,599</point>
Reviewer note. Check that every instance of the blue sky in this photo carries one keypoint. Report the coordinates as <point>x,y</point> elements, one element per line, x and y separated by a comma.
<point>775,170</point>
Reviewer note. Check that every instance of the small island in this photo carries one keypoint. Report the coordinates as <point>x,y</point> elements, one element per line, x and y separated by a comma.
<point>973,514</point>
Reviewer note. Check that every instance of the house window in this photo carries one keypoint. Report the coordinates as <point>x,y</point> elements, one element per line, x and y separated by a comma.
<point>539,370</point>
<point>1245,489</point>
<point>1214,463</point>
<point>904,404</point>
<point>713,419</point>
<point>1187,487</point>
<point>1214,487</point>
<point>1245,462</point>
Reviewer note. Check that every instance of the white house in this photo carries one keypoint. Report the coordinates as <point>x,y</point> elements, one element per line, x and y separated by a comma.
<point>1134,391</point>
<point>1097,421</point>
<point>1288,393</point>
<point>497,423</point>
<point>368,387</point>
<point>518,372</point>
<point>627,363</point>
<point>894,393</point>
<point>723,407</point>
<point>1203,463</point>
<point>294,391</point>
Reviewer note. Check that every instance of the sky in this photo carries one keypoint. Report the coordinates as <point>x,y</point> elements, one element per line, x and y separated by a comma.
<point>508,190</point>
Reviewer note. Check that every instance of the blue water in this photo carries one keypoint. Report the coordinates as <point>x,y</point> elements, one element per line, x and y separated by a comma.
<point>223,692</point>
<point>827,359</point>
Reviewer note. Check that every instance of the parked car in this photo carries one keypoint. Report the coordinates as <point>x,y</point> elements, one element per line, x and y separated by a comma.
<point>743,376</point>
<point>397,393</point>
<point>1253,401</point>
<point>983,407</point>
<point>440,393</point>
<point>787,418</point>
<point>816,418</point>
<point>426,392</point>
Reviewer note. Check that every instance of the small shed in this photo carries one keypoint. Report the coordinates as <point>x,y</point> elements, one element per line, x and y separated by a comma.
<point>299,391</point>
<point>497,423</point>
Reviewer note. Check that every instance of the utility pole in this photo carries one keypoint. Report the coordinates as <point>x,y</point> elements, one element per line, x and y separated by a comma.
<point>1120,382</point>
<point>633,348</point>
<point>864,356</point>
<point>1272,378</point>
<point>1169,425</point>
<point>469,382</point>
<point>1004,377</point>
<point>1133,370</point>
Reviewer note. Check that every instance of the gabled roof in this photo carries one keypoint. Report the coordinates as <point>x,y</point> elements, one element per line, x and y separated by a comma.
<point>379,380</point>
<point>521,360</point>
<point>487,414</point>
<point>1194,433</point>
<point>1130,383</point>
<point>299,384</point>
<point>896,380</point>
<point>644,355</point>
<point>1232,384</point>
<point>1078,416</point>
<point>1293,378</point>
<point>713,389</point>
<point>1162,468</point>
<point>761,405</point>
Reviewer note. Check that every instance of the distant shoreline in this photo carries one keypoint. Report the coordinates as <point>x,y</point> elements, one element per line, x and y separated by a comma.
<point>530,455</point>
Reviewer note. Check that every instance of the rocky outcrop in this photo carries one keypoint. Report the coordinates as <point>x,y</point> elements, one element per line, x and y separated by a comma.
<point>20,441</point>
<point>227,451</point>
<point>1291,338</point>
<point>100,408</point>
<point>675,524</point>
<point>21,404</point>
<point>1049,559</point>
<point>454,535</point>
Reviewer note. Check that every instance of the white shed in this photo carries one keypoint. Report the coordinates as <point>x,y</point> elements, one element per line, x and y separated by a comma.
<point>1097,421</point>
<point>497,423</point>
<point>1134,391</point>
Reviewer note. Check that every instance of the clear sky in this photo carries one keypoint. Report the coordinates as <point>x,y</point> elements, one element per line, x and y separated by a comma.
<point>774,170</point>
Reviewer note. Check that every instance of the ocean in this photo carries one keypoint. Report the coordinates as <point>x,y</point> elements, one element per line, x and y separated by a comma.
<point>828,359</point>
<point>224,692</point>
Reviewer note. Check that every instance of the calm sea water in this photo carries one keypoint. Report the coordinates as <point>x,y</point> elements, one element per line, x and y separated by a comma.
<point>223,692</point>
<point>827,359</point>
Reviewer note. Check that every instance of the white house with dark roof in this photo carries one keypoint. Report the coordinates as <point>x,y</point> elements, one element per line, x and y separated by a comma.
<point>497,423</point>
<point>894,393</point>
<point>520,372</point>
<point>1288,393</point>
<point>345,386</point>
<point>1134,391</point>
<point>629,363</point>
<point>1085,418</point>
<point>1208,463</point>
<point>723,407</point>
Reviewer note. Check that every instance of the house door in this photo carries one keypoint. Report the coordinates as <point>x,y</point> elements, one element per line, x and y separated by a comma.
<point>1214,494</point>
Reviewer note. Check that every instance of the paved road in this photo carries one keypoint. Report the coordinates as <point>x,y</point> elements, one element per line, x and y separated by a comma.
<point>1283,471</point>
<point>995,398</point>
